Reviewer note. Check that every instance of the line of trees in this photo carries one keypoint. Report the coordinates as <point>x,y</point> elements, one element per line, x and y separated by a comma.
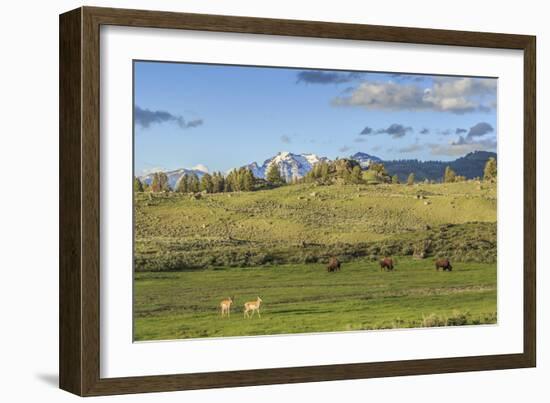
<point>489,173</point>
<point>160,183</point>
<point>241,179</point>
<point>346,171</point>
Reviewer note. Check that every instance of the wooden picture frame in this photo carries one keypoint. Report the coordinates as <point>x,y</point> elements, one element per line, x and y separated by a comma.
<point>80,199</point>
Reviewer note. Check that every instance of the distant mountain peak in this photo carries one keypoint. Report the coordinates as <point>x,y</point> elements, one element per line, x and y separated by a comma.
<point>291,166</point>
<point>365,159</point>
<point>174,175</point>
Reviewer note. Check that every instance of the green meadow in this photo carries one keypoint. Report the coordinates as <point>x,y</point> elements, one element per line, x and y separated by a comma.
<point>306,298</point>
<point>192,251</point>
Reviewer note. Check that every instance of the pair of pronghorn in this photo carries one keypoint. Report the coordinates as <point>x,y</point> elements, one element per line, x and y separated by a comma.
<point>250,306</point>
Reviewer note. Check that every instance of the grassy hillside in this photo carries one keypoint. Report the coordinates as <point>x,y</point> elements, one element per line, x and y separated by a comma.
<point>308,223</point>
<point>299,298</point>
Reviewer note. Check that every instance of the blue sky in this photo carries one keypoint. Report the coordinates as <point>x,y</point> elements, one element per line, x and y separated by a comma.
<point>222,117</point>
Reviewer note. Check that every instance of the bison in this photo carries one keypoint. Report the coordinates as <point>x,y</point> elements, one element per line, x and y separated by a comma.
<point>444,264</point>
<point>333,265</point>
<point>386,263</point>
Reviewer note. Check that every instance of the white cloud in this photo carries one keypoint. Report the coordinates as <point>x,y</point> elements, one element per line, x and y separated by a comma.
<point>446,94</point>
<point>200,167</point>
<point>462,146</point>
<point>379,95</point>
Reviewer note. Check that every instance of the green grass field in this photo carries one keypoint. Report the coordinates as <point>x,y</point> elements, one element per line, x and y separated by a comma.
<point>308,223</point>
<point>192,252</point>
<point>306,298</point>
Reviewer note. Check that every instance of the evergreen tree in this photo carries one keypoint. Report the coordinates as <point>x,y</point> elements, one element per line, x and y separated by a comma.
<point>490,171</point>
<point>315,171</point>
<point>229,182</point>
<point>217,182</point>
<point>233,181</point>
<point>450,175</point>
<point>183,184</point>
<point>248,180</point>
<point>410,179</point>
<point>324,171</point>
<point>379,168</point>
<point>309,177</point>
<point>193,184</point>
<point>164,186</point>
<point>160,183</point>
<point>155,183</point>
<point>273,175</point>
<point>346,176</point>
<point>138,186</point>
<point>241,179</point>
<point>221,186</point>
<point>356,175</point>
<point>227,187</point>
<point>206,183</point>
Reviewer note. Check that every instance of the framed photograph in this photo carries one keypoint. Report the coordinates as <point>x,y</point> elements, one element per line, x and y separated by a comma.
<point>249,201</point>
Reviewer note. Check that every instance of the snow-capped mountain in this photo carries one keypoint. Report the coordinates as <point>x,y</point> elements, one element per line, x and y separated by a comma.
<point>365,159</point>
<point>290,165</point>
<point>173,176</point>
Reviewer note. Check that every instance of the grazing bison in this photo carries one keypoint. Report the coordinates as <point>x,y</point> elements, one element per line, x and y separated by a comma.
<point>386,263</point>
<point>444,264</point>
<point>333,265</point>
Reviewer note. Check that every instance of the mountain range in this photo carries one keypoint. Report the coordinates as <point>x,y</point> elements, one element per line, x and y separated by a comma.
<point>173,176</point>
<point>297,165</point>
<point>290,165</point>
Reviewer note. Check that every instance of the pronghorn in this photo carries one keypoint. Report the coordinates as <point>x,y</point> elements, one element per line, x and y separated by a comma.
<point>253,306</point>
<point>225,306</point>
